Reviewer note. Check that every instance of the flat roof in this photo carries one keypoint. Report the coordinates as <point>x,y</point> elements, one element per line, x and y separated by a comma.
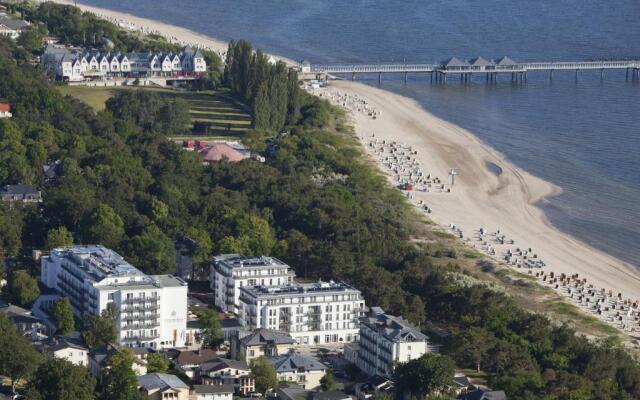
<point>299,288</point>
<point>241,261</point>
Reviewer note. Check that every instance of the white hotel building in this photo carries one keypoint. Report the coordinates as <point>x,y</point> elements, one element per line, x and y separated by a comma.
<point>312,313</point>
<point>385,341</point>
<point>152,309</point>
<point>230,272</point>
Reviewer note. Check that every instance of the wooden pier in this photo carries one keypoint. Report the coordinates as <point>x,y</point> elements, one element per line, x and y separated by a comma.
<point>466,68</point>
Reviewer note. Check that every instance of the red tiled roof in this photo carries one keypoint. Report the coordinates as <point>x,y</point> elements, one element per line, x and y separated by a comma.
<point>219,151</point>
<point>5,107</point>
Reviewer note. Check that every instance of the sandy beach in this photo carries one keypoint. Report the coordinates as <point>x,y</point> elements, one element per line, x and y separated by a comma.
<point>479,198</point>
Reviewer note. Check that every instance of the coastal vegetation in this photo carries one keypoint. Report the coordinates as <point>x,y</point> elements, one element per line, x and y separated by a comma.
<point>316,203</point>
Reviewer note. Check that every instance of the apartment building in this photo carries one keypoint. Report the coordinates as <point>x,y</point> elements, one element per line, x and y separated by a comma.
<point>151,309</point>
<point>385,341</point>
<point>230,272</point>
<point>312,313</point>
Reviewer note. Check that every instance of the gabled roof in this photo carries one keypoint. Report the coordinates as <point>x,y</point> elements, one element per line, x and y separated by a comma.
<point>223,363</point>
<point>454,62</point>
<point>505,61</point>
<point>196,357</point>
<point>480,62</point>
<point>162,382</point>
<point>484,395</point>
<point>266,336</point>
<point>4,107</point>
<point>202,389</point>
<point>294,362</point>
<point>59,343</point>
<point>393,328</point>
<point>19,189</point>
<point>14,24</point>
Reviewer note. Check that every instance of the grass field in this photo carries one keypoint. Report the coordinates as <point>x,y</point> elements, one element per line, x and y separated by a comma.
<point>226,118</point>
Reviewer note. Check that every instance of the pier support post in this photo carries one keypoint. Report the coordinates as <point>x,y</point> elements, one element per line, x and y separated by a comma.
<point>431,76</point>
<point>353,76</point>
<point>379,78</point>
<point>405,77</point>
<point>550,74</point>
<point>577,74</point>
<point>627,74</point>
<point>602,74</point>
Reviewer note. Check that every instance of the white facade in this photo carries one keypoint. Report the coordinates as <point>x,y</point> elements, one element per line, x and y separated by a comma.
<point>152,309</point>
<point>230,272</point>
<point>188,62</point>
<point>75,355</point>
<point>386,341</point>
<point>312,313</point>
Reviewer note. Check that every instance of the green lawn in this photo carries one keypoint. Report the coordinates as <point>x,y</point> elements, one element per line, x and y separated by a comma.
<point>228,120</point>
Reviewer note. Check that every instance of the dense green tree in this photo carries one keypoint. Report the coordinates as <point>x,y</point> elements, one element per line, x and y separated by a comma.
<point>59,379</point>
<point>264,375</point>
<point>470,348</point>
<point>22,288</point>
<point>157,363</point>
<point>105,227</point>
<point>431,373</point>
<point>58,237</point>
<point>328,381</point>
<point>100,330</point>
<point>153,251</point>
<point>63,316</point>
<point>119,381</point>
<point>18,357</point>
<point>211,330</point>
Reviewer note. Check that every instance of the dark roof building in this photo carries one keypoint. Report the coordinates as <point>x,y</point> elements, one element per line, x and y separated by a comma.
<point>266,336</point>
<point>294,362</point>
<point>484,394</point>
<point>20,192</point>
<point>160,382</point>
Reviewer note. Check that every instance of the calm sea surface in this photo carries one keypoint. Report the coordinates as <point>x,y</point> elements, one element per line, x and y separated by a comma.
<point>581,135</point>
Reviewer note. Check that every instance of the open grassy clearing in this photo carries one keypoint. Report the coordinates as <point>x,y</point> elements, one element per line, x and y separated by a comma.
<point>226,119</point>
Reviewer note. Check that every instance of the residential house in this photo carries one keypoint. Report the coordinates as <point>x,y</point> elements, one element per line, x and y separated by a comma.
<point>189,362</point>
<point>261,343</point>
<point>151,309</point>
<point>99,359</point>
<point>312,313</point>
<point>293,367</point>
<point>292,391</point>
<point>230,272</point>
<point>66,348</point>
<point>223,371</point>
<point>331,395</point>
<point>211,392</point>
<point>5,110</point>
<point>375,386</point>
<point>484,394</point>
<point>158,386</point>
<point>21,193</point>
<point>386,341</point>
<point>12,28</point>
<point>27,324</point>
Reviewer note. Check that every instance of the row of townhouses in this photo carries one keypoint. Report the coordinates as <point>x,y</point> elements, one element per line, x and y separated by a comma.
<point>151,309</point>
<point>73,66</point>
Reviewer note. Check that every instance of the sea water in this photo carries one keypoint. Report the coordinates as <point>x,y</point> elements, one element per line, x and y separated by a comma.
<point>583,135</point>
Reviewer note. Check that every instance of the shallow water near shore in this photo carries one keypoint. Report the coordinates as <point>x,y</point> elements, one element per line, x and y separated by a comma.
<point>582,135</point>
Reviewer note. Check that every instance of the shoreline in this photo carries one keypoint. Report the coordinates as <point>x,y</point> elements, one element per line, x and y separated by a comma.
<point>479,198</point>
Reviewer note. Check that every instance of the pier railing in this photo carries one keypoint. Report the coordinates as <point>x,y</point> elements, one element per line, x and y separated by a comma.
<point>488,69</point>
